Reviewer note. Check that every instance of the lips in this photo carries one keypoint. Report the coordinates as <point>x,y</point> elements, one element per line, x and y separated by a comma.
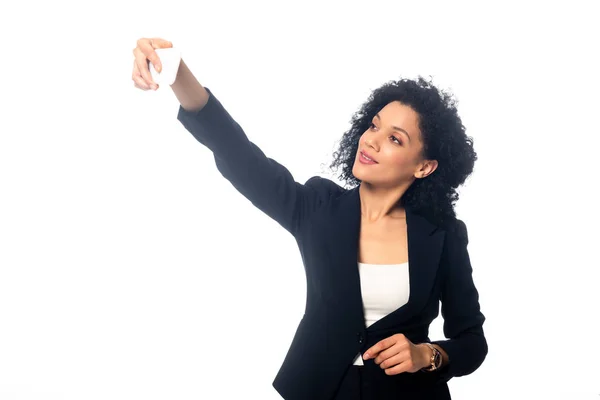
<point>368,156</point>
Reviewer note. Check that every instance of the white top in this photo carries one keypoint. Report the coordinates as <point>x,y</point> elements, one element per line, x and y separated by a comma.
<point>384,288</point>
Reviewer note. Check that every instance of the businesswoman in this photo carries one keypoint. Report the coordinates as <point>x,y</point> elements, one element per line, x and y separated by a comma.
<point>379,257</point>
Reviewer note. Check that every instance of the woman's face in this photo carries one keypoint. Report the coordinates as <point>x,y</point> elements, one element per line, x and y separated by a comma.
<point>393,141</point>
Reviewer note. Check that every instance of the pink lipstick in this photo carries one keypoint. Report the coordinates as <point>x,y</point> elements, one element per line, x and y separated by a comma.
<point>365,159</point>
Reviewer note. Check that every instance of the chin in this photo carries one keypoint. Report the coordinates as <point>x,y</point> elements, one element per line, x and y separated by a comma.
<point>360,175</point>
<point>357,172</point>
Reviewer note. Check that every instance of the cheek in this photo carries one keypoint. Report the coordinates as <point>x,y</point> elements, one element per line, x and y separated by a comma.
<point>401,160</point>
<point>402,164</point>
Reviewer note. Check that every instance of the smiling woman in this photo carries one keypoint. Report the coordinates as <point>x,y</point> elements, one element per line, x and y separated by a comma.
<point>398,157</point>
<point>413,131</point>
<point>379,257</point>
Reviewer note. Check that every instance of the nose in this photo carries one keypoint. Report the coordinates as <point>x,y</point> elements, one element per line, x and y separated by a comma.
<point>370,142</point>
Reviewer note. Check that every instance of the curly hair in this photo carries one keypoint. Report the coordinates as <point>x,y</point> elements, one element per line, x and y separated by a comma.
<point>444,139</point>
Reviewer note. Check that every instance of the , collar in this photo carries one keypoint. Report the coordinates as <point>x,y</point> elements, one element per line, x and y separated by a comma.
<point>425,242</point>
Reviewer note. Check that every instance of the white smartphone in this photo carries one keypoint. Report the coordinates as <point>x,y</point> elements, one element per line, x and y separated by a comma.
<point>170,58</point>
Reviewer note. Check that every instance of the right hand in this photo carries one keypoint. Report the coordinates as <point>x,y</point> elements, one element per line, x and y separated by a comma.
<point>143,53</point>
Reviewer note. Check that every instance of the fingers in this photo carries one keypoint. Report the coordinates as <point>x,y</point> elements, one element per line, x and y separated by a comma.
<point>387,354</point>
<point>404,366</point>
<point>137,78</point>
<point>141,66</point>
<point>394,359</point>
<point>377,348</point>
<point>144,53</point>
<point>153,58</point>
<point>382,345</point>
<point>145,49</point>
<point>159,43</point>
<point>148,45</point>
<point>393,354</point>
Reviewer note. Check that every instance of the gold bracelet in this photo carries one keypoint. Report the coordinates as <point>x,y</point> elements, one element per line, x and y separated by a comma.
<point>435,355</point>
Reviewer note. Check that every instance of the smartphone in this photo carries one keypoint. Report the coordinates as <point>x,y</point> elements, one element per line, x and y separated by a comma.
<point>170,58</point>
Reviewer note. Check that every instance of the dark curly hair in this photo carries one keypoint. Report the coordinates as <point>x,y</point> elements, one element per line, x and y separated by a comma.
<point>444,140</point>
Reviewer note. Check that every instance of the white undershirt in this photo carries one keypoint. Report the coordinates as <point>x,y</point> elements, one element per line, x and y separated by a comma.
<point>384,288</point>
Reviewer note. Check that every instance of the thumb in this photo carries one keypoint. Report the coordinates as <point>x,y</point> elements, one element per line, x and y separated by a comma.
<point>158,43</point>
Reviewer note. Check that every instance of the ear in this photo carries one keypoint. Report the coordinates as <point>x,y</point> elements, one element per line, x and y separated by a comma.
<point>427,168</point>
